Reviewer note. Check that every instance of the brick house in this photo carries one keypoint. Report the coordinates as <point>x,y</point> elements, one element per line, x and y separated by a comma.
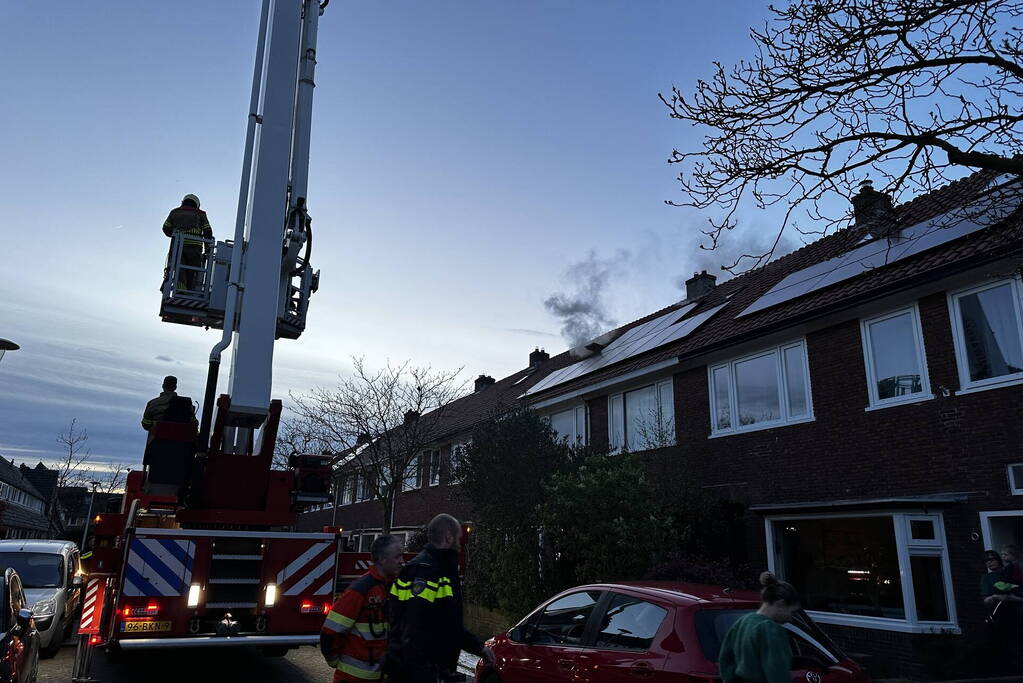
<point>22,507</point>
<point>862,398</point>
<point>429,487</point>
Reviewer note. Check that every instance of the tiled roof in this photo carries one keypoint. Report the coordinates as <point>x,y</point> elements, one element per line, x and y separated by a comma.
<point>15,516</point>
<point>42,477</point>
<point>13,476</point>
<point>727,328</point>
<point>463,414</point>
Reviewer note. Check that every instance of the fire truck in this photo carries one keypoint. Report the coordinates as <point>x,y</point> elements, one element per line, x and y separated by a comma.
<point>203,551</point>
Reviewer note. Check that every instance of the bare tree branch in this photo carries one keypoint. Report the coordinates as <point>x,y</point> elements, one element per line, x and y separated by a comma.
<point>378,421</point>
<point>69,470</point>
<point>914,92</point>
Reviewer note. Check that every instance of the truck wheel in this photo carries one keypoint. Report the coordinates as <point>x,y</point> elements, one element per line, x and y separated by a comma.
<point>275,651</point>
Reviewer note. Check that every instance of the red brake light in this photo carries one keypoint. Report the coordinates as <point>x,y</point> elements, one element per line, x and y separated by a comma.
<point>150,610</point>
<point>309,608</point>
<point>326,608</point>
<point>94,640</point>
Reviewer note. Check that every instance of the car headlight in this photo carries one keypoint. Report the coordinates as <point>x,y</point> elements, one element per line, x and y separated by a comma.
<point>44,608</point>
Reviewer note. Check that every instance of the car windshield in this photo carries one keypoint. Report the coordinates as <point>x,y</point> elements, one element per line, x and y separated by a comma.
<point>37,570</point>
<point>713,624</point>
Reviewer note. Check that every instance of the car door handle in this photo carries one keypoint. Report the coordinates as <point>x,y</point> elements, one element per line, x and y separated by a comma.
<point>641,670</point>
<point>566,663</point>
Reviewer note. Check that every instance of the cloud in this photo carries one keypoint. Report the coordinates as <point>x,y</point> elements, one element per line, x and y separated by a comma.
<point>165,359</point>
<point>583,311</point>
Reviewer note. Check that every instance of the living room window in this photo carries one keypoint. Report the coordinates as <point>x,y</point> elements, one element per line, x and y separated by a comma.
<point>987,329</point>
<point>767,389</point>
<point>643,418</point>
<point>570,424</point>
<point>886,571</point>
<point>893,352</point>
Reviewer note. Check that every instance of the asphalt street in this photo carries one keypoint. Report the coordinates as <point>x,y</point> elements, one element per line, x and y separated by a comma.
<point>198,666</point>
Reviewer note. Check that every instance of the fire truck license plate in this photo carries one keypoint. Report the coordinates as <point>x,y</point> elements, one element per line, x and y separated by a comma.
<point>144,626</point>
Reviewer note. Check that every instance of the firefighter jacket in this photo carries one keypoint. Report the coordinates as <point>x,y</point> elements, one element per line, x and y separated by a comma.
<point>427,634</point>
<point>190,220</point>
<point>354,636</point>
<point>156,408</point>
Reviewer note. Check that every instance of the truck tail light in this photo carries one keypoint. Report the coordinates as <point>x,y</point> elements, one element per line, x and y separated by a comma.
<point>271,595</point>
<point>194,592</point>
<point>150,610</point>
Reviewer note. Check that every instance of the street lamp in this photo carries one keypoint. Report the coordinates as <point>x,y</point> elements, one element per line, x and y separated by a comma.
<point>7,345</point>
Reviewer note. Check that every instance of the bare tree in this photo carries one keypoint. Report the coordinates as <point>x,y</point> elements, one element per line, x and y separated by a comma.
<point>297,436</point>
<point>380,422</point>
<point>916,92</point>
<point>113,480</point>
<point>74,454</point>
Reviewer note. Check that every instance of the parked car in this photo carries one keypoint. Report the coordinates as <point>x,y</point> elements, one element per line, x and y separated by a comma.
<point>51,576</point>
<point>657,631</point>
<point>19,639</point>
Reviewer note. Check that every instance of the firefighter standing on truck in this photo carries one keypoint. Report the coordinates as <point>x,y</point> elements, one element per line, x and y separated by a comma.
<point>354,636</point>
<point>427,634</point>
<point>191,220</point>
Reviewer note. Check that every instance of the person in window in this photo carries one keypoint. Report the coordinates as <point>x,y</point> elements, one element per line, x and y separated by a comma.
<point>756,648</point>
<point>993,562</point>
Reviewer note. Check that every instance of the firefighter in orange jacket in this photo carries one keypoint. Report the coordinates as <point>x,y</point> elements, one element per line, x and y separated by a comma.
<point>354,636</point>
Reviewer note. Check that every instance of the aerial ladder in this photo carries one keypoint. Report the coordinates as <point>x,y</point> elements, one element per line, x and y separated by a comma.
<point>203,551</point>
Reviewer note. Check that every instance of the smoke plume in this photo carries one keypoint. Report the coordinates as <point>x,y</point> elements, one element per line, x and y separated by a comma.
<point>583,311</point>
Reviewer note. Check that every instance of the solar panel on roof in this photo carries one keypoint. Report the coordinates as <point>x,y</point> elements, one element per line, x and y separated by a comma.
<point>640,339</point>
<point>916,239</point>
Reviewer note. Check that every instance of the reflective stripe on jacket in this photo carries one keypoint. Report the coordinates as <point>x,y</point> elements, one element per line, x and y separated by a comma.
<point>189,220</point>
<point>426,614</point>
<point>354,635</point>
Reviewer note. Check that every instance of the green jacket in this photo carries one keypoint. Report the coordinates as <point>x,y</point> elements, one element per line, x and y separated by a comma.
<point>756,649</point>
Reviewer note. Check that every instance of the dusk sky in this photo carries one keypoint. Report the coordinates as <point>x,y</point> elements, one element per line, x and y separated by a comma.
<point>469,160</point>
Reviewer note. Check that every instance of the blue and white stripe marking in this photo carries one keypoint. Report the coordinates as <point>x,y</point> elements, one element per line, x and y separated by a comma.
<point>159,567</point>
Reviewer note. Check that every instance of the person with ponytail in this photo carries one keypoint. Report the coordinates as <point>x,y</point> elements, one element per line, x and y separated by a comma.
<point>756,648</point>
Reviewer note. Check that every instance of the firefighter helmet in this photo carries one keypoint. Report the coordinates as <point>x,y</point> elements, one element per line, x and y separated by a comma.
<point>190,198</point>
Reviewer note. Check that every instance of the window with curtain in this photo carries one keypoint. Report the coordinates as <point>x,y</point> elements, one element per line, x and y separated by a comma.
<point>988,334</point>
<point>893,354</point>
<point>642,418</point>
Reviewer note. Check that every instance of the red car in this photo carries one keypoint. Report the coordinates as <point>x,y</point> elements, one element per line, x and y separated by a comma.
<point>654,630</point>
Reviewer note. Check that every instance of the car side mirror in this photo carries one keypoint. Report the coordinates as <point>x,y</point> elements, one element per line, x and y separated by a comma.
<point>24,618</point>
<point>76,581</point>
<point>522,634</point>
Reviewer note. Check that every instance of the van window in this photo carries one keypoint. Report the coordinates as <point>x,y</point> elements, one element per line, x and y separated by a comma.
<point>37,570</point>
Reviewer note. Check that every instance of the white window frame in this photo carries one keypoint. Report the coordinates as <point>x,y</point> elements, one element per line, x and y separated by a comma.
<point>906,547</point>
<point>783,395</point>
<point>412,479</point>
<point>967,386</point>
<point>454,456</point>
<point>433,467</point>
<point>921,355</point>
<point>580,420</point>
<point>665,396</point>
<point>1015,487</point>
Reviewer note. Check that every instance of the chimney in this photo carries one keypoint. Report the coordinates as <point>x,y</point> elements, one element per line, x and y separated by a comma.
<point>538,356</point>
<point>874,211</point>
<point>411,416</point>
<point>699,285</point>
<point>483,381</point>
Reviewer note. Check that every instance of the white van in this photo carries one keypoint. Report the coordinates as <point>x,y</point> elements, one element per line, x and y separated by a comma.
<point>51,576</point>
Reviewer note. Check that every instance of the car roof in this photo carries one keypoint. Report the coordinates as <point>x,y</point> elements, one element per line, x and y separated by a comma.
<point>36,546</point>
<point>684,593</point>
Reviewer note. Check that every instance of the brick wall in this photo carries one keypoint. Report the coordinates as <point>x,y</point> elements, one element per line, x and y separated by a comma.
<point>958,443</point>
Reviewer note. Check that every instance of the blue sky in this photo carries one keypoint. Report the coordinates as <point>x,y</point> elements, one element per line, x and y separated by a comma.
<point>465,156</point>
